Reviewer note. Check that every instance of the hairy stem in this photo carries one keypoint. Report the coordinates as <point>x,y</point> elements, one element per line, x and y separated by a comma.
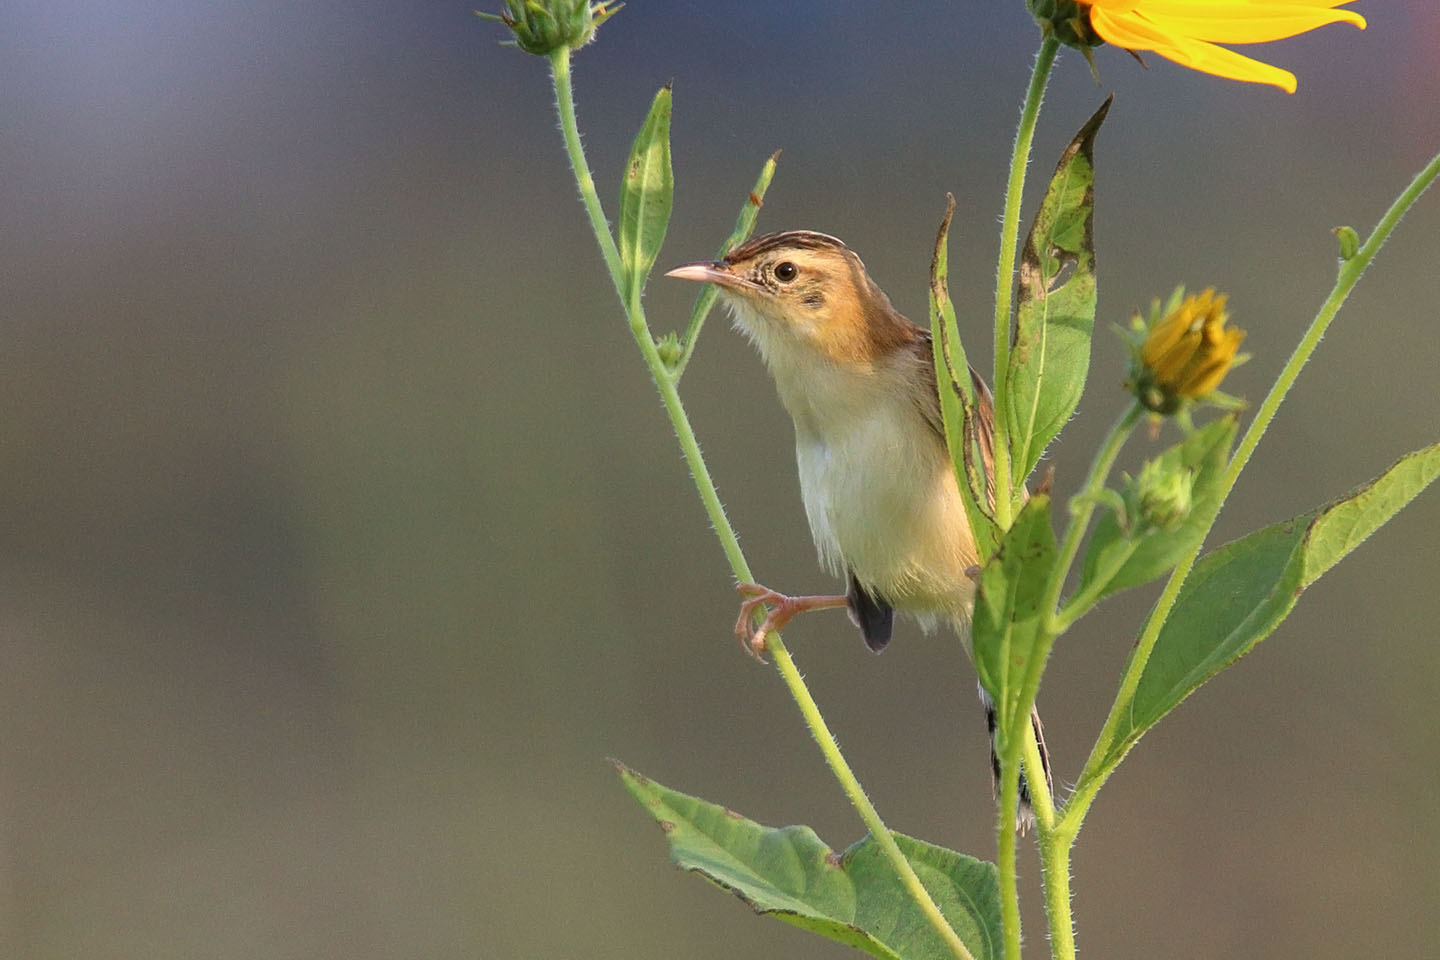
<point>851,785</point>
<point>665,381</point>
<point>1005,857</point>
<point>1021,741</point>
<point>1055,869</point>
<point>1082,510</point>
<point>1005,273</point>
<point>565,106</point>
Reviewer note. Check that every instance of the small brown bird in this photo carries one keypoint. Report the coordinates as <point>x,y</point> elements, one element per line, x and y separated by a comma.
<point>880,493</point>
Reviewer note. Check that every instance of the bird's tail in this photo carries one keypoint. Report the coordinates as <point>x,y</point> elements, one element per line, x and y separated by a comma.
<point>1025,816</point>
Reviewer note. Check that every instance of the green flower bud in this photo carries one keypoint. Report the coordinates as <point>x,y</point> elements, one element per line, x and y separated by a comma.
<point>544,26</point>
<point>669,349</point>
<point>1349,241</point>
<point>1160,497</point>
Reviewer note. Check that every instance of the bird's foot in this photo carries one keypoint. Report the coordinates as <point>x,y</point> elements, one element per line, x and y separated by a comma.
<point>779,610</point>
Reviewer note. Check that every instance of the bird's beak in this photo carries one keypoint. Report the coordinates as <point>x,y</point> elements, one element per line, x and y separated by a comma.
<point>711,271</point>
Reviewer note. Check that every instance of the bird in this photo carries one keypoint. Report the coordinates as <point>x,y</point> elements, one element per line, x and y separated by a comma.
<point>876,477</point>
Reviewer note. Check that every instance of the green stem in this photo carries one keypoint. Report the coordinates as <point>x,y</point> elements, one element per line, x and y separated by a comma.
<point>1043,804</point>
<point>1004,495</point>
<point>565,106</point>
<point>1055,869</point>
<point>1022,739</point>
<point>1101,763</point>
<point>1083,599</point>
<point>710,497</point>
<point>1005,858</point>
<point>851,785</point>
<point>1005,270</point>
<point>1082,509</point>
<point>1040,798</point>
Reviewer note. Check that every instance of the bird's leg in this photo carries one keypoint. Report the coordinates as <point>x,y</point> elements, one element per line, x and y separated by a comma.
<point>781,610</point>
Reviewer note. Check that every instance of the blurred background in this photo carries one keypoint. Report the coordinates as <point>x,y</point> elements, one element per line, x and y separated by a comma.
<point>344,538</point>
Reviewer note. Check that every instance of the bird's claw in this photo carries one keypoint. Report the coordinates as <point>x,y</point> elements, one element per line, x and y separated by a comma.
<point>757,597</point>
<point>779,610</point>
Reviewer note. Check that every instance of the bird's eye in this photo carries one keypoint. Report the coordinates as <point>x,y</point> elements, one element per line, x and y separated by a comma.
<point>785,271</point>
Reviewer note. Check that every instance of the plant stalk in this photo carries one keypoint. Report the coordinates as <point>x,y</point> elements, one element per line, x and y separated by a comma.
<point>1005,844</point>
<point>1055,870</point>
<point>1005,273</point>
<point>1021,741</point>
<point>1081,512</point>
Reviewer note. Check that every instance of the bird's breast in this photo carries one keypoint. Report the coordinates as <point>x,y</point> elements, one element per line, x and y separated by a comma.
<point>882,502</point>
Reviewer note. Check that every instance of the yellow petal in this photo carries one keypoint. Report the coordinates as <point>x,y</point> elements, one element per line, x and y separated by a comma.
<point>1134,33</point>
<point>1200,6</point>
<point>1242,23</point>
<point>1165,339</point>
<point>1207,378</point>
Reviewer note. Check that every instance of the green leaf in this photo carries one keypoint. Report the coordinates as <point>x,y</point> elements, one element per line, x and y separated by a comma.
<point>1010,608</point>
<point>749,210</point>
<point>852,897</point>
<point>1050,346</point>
<point>646,196</point>
<point>962,420</point>
<point>1205,452</point>
<point>1238,594</point>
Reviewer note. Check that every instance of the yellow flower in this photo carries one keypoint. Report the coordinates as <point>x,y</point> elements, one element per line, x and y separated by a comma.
<point>1187,31</point>
<point>1188,353</point>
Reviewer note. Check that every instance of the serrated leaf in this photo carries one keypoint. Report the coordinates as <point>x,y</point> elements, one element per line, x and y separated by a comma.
<point>646,195</point>
<point>960,404</point>
<point>1206,452</point>
<point>1238,594</point>
<point>1050,346</point>
<point>852,897</point>
<point>1010,607</point>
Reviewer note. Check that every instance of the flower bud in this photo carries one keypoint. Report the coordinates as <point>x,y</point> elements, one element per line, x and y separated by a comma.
<point>1184,354</point>
<point>669,349</point>
<point>1160,497</point>
<point>544,26</point>
<point>1349,241</point>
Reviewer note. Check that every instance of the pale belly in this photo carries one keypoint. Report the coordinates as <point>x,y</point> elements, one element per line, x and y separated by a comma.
<point>886,507</point>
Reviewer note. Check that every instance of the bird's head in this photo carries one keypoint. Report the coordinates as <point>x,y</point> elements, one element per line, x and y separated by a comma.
<point>803,295</point>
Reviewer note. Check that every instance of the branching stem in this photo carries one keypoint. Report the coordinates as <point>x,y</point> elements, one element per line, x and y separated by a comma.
<point>1104,756</point>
